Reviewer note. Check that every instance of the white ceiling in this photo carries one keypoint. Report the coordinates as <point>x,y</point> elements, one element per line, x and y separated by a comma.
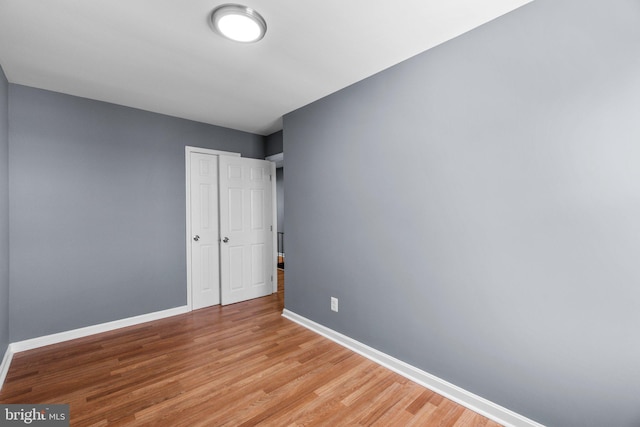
<point>162,56</point>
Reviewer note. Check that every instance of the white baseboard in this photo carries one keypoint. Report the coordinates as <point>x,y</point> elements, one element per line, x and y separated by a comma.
<point>4,366</point>
<point>30,344</point>
<point>465,398</point>
<point>33,343</point>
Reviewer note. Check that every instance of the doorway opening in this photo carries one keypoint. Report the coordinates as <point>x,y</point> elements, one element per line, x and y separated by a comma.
<point>278,159</point>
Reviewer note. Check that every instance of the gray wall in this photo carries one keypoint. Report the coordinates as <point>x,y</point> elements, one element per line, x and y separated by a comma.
<point>98,209</point>
<point>273,144</point>
<point>4,214</point>
<point>485,196</point>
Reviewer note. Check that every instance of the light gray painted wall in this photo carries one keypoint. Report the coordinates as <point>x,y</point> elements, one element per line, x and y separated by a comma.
<point>98,209</point>
<point>273,144</point>
<point>4,213</point>
<point>479,213</point>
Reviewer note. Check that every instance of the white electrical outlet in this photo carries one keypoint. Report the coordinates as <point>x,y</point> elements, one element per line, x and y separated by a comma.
<point>334,304</point>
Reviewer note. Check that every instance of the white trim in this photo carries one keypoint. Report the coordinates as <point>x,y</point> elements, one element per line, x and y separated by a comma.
<point>275,157</point>
<point>4,366</point>
<point>278,159</point>
<point>187,170</point>
<point>465,398</point>
<point>189,149</point>
<point>274,220</point>
<point>33,343</point>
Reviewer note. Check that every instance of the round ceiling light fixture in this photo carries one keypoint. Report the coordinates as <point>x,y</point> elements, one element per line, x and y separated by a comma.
<point>238,23</point>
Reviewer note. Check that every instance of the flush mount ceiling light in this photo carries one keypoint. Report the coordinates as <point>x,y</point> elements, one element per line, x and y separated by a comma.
<point>238,23</point>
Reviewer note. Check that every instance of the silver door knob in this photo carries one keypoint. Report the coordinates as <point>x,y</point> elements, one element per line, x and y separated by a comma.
<point>196,237</point>
<point>225,240</point>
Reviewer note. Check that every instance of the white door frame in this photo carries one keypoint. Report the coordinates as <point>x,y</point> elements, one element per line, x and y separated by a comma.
<point>188,150</point>
<point>274,228</point>
<point>274,159</point>
<point>278,161</point>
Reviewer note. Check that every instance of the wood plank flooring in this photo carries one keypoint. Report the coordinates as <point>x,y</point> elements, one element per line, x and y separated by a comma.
<point>240,365</point>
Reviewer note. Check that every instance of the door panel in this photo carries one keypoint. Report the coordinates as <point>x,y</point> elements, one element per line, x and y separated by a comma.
<point>205,251</point>
<point>257,209</point>
<point>235,209</point>
<point>235,268</point>
<point>257,265</point>
<point>245,220</point>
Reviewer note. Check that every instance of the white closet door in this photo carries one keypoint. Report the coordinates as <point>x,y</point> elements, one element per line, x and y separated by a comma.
<point>246,229</point>
<point>205,251</point>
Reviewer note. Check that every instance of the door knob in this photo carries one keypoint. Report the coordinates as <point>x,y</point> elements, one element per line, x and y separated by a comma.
<point>225,240</point>
<point>196,237</point>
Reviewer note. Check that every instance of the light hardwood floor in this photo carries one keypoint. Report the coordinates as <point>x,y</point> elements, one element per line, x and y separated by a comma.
<point>240,365</point>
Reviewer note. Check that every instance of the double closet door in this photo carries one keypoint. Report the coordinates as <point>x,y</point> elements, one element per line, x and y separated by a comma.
<point>231,229</point>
